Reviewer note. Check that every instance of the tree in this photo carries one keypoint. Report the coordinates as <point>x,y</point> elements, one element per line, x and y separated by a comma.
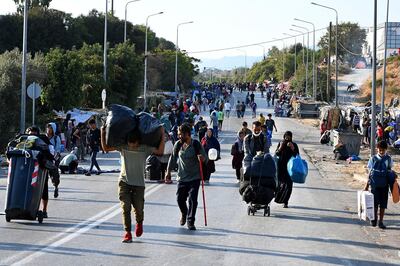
<point>161,70</point>
<point>351,40</point>
<point>10,89</point>
<point>32,4</point>
<point>63,85</point>
<point>125,70</point>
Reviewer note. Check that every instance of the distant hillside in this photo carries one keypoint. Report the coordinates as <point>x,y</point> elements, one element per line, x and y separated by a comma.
<point>392,82</point>
<point>228,62</point>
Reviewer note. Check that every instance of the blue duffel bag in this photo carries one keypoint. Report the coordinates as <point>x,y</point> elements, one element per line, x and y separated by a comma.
<point>297,169</point>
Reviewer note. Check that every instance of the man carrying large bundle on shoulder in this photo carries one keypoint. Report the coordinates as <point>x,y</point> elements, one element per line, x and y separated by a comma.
<point>131,183</point>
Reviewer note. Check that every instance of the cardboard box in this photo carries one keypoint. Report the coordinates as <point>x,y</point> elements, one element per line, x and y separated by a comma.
<point>366,209</point>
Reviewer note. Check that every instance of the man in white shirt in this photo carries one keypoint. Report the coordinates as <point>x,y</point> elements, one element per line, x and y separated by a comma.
<point>227,108</point>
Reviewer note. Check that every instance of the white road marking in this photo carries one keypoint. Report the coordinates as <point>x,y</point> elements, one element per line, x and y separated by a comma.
<point>88,225</point>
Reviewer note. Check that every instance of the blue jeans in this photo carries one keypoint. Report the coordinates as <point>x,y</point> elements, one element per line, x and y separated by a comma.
<point>215,129</point>
<point>93,159</point>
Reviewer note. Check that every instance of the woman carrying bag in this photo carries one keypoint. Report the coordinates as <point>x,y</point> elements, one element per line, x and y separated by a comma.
<point>210,142</point>
<point>286,149</point>
<point>237,152</point>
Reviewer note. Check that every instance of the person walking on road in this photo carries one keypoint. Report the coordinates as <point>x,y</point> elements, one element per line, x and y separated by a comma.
<point>255,142</point>
<point>270,123</point>
<point>238,109</point>
<point>245,129</point>
<point>210,142</point>
<point>268,98</point>
<point>227,108</point>
<point>220,115</point>
<point>131,183</point>
<point>237,152</point>
<point>243,109</point>
<point>53,173</point>
<point>261,119</point>
<point>253,106</point>
<point>214,122</point>
<point>94,143</point>
<point>79,140</point>
<point>252,97</point>
<point>380,166</point>
<point>286,149</point>
<point>188,153</point>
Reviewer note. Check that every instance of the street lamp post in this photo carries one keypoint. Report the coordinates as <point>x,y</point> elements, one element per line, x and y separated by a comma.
<point>176,54</point>
<point>23,78</point>
<point>302,33</point>
<point>245,64</point>
<point>384,66</point>
<point>105,52</point>
<point>145,59</point>
<point>308,45</point>
<point>314,74</point>
<point>337,57</point>
<point>126,12</point>
<point>295,52</point>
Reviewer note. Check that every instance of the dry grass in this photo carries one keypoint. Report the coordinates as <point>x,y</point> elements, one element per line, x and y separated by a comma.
<point>392,82</point>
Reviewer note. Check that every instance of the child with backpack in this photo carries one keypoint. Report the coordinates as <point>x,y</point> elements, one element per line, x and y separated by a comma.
<point>380,166</point>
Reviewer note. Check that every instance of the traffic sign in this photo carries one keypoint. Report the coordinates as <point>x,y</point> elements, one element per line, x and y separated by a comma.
<point>103,95</point>
<point>34,91</point>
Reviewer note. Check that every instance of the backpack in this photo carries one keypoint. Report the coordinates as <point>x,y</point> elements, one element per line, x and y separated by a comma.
<point>196,146</point>
<point>378,177</point>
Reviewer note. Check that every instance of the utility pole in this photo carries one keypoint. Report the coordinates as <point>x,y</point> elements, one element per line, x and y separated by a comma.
<point>373,96</point>
<point>328,80</point>
<point>112,7</point>
<point>384,66</point>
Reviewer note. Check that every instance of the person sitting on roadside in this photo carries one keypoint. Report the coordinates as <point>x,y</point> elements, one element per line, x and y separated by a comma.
<point>69,162</point>
<point>131,183</point>
<point>323,125</point>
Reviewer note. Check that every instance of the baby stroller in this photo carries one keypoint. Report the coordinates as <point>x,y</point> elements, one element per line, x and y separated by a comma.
<point>259,183</point>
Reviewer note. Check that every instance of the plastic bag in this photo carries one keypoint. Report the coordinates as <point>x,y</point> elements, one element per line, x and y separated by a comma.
<point>298,169</point>
<point>149,128</point>
<point>121,120</point>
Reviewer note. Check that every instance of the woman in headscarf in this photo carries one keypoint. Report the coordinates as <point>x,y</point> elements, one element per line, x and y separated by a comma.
<point>286,149</point>
<point>237,152</point>
<point>210,142</point>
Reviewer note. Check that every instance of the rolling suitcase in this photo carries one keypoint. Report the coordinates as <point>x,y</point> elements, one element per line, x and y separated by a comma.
<point>24,186</point>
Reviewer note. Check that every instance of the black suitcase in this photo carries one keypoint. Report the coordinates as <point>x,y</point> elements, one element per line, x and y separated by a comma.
<point>282,194</point>
<point>25,186</point>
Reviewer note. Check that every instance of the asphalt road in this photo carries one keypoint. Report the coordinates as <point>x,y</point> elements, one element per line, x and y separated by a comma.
<point>84,225</point>
<point>356,77</point>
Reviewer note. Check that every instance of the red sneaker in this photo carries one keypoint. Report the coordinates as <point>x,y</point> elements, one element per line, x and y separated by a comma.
<point>139,229</point>
<point>127,238</point>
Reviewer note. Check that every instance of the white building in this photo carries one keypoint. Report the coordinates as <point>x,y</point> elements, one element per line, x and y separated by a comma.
<point>393,40</point>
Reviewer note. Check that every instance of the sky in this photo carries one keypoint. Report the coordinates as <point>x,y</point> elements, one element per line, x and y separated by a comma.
<point>228,23</point>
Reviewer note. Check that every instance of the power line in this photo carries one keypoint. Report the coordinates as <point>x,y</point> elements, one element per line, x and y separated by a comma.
<point>253,44</point>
